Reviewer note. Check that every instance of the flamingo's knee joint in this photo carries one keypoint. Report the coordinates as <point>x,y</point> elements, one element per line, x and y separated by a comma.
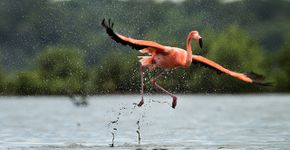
<point>153,82</point>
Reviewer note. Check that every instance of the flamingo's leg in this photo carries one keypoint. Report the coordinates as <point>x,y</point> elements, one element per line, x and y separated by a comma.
<point>142,85</point>
<point>154,82</point>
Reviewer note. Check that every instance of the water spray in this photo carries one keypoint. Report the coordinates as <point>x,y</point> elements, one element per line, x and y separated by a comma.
<point>138,132</point>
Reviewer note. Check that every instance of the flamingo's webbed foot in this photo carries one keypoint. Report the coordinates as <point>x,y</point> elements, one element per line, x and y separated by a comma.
<point>141,103</point>
<point>174,102</point>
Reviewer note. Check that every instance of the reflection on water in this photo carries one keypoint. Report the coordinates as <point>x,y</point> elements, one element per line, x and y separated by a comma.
<point>198,122</point>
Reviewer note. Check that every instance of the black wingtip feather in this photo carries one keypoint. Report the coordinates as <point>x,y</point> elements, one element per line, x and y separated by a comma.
<point>115,37</point>
<point>255,76</point>
<point>207,66</point>
<point>258,79</point>
<point>109,30</point>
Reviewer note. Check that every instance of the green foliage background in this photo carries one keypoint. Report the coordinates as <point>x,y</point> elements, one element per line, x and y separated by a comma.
<point>50,47</point>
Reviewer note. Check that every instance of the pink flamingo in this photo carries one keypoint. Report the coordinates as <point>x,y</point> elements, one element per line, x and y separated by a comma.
<point>166,57</point>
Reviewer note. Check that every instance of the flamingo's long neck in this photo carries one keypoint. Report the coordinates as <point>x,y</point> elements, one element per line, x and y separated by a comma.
<point>189,51</point>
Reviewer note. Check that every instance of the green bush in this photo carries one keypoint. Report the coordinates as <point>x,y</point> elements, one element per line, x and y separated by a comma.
<point>28,83</point>
<point>117,72</point>
<point>62,70</point>
<point>280,67</point>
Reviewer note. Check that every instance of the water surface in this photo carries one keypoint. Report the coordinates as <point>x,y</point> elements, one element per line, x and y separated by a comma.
<point>198,122</point>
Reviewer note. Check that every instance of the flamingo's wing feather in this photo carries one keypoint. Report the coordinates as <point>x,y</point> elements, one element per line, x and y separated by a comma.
<point>135,44</point>
<point>246,77</point>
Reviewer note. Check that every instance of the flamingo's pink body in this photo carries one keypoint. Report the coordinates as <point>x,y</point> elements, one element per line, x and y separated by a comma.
<point>166,57</point>
<point>164,60</point>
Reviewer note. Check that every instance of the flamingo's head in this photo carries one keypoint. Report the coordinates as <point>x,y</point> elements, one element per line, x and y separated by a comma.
<point>195,36</point>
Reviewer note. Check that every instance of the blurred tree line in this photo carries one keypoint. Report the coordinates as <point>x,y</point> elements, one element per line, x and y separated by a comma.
<point>54,47</point>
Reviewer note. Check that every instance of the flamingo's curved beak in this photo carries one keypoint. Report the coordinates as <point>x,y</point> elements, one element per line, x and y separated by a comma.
<point>200,42</point>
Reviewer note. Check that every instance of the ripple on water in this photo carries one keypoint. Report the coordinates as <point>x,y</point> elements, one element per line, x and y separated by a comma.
<point>198,122</point>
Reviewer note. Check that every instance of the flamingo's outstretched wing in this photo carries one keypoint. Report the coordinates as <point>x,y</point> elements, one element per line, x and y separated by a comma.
<point>246,77</point>
<point>135,44</point>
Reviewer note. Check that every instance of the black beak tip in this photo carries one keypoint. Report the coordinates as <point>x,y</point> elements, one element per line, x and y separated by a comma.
<point>200,43</point>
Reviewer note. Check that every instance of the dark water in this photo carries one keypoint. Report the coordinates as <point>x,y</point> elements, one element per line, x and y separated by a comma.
<point>198,122</point>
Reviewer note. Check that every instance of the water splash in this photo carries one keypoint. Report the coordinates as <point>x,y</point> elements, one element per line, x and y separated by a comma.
<point>124,111</point>
<point>138,131</point>
<point>113,139</point>
<point>114,123</point>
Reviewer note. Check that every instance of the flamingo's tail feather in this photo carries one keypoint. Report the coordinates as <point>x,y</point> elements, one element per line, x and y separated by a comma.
<point>147,61</point>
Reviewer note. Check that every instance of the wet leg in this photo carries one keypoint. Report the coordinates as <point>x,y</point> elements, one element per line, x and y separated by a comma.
<point>154,82</point>
<point>142,85</point>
